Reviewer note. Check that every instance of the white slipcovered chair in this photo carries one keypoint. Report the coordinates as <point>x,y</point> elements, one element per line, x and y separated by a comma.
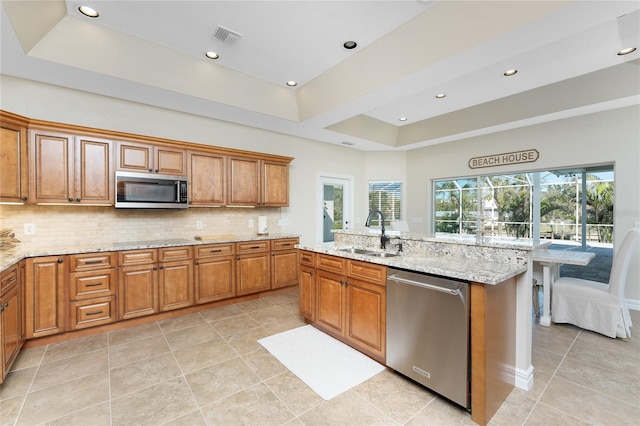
<point>596,306</point>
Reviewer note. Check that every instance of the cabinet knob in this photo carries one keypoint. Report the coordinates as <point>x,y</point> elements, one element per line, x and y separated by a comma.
<point>78,199</point>
<point>238,258</point>
<point>197,262</point>
<point>157,170</point>
<point>155,268</point>
<point>60,260</point>
<point>24,198</point>
<point>161,267</point>
<point>70,199</point>
<point>150,170</point>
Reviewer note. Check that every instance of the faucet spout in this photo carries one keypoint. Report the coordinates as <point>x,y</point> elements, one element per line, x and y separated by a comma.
<point>383,237</point>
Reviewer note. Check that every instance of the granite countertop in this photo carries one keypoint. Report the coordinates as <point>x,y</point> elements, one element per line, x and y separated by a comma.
<point>9,258</point>
<point>460,267</point>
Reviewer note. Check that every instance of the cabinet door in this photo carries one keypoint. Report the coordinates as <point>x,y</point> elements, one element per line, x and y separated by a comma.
<point>94,175</point>
<point>14,178</point>
<point>51,167</point>
<point>10,328</point>
<point>214,279</point>
<point>366,321</point>
<point>252,272</point>
<point>93,312</point>
<point>244,181</point>
<point>134,157</point>
<point>330,314</point>
<point>45,296</point>
<point>175,285</point>
<point>275,184</point>
<point>138,291</point>
<point>307,296</point>
<point>170,161</point>
<point>284,268</point>
<point>207,180</point>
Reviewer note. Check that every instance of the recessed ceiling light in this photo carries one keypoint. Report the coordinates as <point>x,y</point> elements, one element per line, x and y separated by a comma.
<point>626,51</point>
<point>509,73</point>
<point>211,55</point>
<point>402,118</point>
<point>440,95</point>
<point>87,11</point>
<point>292,83</point>
<point>350,44</point>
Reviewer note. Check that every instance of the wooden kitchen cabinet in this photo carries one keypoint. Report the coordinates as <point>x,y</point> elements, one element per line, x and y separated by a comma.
<point>65,168</point>
<point>307,285</point>
<point>175,278</point>
<point>92,289</point>
<point>253,267</point>
<point>284,263</point>
<point>14,176</point>
<point>12,334</point>
<point>214,275</point>
<point>45,292</point>
<point>149,158</point>
<point>207,180</point>
<point>257,182</point>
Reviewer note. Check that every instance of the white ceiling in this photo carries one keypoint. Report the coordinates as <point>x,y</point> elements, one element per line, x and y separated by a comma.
<point>408,51</point>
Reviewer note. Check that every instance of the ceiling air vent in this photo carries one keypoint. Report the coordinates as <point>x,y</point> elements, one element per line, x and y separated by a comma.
<point>227,36</point>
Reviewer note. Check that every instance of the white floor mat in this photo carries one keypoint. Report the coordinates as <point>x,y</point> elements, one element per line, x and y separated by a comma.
<point>326,365</point>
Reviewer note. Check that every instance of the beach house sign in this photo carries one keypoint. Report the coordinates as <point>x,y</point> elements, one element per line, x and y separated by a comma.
<point>517,157</point>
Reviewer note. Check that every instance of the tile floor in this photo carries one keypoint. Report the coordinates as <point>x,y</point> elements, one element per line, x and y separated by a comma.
<point>207,368</point>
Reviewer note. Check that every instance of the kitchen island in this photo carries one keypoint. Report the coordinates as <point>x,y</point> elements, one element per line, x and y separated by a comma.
<point>493,270</point>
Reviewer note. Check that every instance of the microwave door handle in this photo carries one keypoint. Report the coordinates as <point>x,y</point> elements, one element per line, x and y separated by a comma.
<point>177,191</point>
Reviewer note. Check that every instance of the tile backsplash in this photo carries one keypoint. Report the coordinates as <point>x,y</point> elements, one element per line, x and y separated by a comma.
<point>57,226</point>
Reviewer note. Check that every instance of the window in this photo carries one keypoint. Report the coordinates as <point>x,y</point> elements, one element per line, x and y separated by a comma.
<point>386,197</point>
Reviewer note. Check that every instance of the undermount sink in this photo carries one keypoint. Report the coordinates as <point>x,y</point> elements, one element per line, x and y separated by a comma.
<point>355,250</point>
<point>382,254</point>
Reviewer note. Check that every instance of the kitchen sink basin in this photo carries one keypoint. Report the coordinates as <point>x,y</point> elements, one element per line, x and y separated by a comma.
<point>381,254</point>
<point>355,250</point>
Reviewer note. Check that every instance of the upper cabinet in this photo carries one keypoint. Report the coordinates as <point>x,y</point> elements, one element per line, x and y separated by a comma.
<point>207,179</point>
<point>147,158</point>
<point>257,182</point>
<point>14,183</point>
<point>64,168</point>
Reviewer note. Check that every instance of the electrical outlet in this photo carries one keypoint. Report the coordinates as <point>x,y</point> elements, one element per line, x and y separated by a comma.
<point>250,223</point>
<point>29,229</point>
<point>199,224</point>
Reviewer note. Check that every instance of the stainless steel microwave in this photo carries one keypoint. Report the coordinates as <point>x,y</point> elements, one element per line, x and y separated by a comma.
<point>150,191</point>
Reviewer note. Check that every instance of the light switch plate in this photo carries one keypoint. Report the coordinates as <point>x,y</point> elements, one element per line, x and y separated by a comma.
<point>250,223</point>
<point>199,224</point>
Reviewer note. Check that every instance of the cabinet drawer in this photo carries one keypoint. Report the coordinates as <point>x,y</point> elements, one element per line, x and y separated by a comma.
<point>89,261</point>
<point>376,274</point>
<point>92,312</point>
<point>331,263</point>
<point>174,253</point>
<point>252,246</point>
<point>9,278</point>
<point>212,250</point>
<point>137,257</point>
<point>89,284</point>
<point>307,258</point>
<point>284,244</point>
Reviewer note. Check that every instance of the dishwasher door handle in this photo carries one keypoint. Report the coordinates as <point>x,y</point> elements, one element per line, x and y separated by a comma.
<point>454,292</point>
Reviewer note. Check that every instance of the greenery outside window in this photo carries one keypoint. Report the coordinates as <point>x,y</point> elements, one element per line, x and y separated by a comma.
<point>387,197</point>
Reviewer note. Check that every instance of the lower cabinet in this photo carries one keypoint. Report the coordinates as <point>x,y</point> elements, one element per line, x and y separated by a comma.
<point>12,334</point>
<point>46,297</point>
<point>92,289</point>
<point>284,263</point>
<point>253,267</point>
<point>214,272</point>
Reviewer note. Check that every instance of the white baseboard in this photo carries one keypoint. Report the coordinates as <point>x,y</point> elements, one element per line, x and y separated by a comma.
<point>633,304</point>
<point>524,378</point>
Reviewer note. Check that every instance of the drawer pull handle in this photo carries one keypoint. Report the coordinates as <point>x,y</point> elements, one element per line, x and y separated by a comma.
<point>254,247</point>
<point>93,262</point>
<point>94,313</point>
<point>216,250</point>
<point>93,285</point>
<point>306,259</point>
<point>12,279</point>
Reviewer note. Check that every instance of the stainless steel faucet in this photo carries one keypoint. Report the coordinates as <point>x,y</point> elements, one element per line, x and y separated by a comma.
<point>383,237</point>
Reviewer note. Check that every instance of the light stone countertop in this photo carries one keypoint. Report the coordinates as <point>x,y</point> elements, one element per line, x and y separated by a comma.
<point>9,258</point>
<point>447,265</point>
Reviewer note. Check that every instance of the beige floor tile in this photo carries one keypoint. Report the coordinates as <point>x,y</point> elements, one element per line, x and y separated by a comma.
<point>75,347</point>
<point>618,357</point>
<point>193,418</point>
<point>540,382</point>
<point>515,410</point>
<point>155,405</point>
<point>213,383</point>
<point>17,383</point>
<point>181,322</point>
<point>345,409</point>
<point>283,298</point>
<point>254,406</point>
<point>9,409</point>
<point>441,412</point>
<point>292,308</point>
<point>60,400</point>
<point>29,358</point>
<point>247,341</point>
<point>138,350</point>
<point>133,333</point>
<point>295,394</point>
<point>204,355</point>
<point>544,415</point>
<point>566,331</point>
<point>544,360</point>
<point>254,304</point>
<point>139,375</point>
<point>396,396</point>
<point>72,368</point>
<point>264,364</point>
<point>216,314</point>
<point>98,415</point>
<point>191,336</point>
<point>269,315</point>
<point>228,326</point>
<point>550,342</point>
<point>293,321</point>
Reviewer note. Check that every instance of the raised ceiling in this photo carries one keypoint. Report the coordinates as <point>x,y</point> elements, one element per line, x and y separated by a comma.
<point>408,51</point>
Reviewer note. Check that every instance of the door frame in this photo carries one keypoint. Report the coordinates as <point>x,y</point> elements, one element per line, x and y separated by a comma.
<point>347,198</point>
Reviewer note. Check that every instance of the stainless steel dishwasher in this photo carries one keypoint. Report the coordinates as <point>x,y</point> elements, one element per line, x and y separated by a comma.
<point>428,332</point>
